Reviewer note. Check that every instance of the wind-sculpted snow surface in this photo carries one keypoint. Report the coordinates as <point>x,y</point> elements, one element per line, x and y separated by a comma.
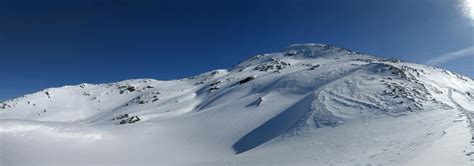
<point>312,104</point>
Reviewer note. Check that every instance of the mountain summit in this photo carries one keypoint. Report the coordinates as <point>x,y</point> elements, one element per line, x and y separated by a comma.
<point>311,104</point>
<point>317,50</point>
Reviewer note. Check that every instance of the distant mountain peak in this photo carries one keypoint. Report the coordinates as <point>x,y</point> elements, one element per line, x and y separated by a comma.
<point>301,52</point>
<point>316,50</point>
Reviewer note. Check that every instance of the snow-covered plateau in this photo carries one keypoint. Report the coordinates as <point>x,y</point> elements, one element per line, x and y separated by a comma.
<point>309,104</point>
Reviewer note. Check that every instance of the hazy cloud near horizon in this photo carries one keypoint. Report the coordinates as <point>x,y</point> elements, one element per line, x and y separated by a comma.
<point>467,7</point>
<point>462,53</point>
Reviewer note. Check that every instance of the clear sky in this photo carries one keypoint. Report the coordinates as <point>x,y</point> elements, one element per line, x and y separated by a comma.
<point>52,43</point>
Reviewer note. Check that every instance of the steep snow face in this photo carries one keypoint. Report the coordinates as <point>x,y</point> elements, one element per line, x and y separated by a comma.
<point>309,100</point>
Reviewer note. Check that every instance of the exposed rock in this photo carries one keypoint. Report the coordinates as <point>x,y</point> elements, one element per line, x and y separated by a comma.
<point>246,80</point>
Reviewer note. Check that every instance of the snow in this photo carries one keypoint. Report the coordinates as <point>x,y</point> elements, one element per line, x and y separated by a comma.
<point>384,141</point>
<point>312,104</point>
<point>450,149</point>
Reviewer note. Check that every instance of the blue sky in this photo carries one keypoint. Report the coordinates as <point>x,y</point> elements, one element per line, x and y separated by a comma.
<point>52,43</point>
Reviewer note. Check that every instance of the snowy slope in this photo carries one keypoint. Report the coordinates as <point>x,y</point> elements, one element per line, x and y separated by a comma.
<point>310,104</point>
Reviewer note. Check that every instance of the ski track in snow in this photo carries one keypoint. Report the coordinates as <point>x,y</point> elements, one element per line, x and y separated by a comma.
<point>468,114</point>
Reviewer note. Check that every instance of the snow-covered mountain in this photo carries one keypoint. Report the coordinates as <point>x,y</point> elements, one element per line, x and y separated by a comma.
<point>310,104</point>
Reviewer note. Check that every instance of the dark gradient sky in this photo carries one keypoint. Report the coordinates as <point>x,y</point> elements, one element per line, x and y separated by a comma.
<point>52,43</point>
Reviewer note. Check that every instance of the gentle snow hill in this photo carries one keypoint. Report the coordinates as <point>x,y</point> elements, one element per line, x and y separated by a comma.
<point>311,104</point>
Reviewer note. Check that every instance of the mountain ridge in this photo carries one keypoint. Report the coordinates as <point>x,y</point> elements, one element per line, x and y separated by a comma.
<point>263,104</point>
